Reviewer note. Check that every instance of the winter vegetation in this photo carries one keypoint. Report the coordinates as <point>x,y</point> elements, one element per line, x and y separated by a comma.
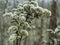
<point>29,22</point>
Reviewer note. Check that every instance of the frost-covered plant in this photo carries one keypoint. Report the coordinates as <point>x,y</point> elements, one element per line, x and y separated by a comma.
<point>24,33</point>
<point>56,30</point>
<point>56,35</point>
<point>12,37</point>
<point>22,16</point>
<point>19,24</point>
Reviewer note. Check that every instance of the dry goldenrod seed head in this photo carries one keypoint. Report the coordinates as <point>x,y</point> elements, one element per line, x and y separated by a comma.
<point>12,37</point>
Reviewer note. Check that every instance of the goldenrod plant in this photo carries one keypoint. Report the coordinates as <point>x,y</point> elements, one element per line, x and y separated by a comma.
<point>56,37</point>
<point>21,18</point>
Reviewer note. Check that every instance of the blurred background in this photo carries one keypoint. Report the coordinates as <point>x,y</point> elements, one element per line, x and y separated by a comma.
<point>37,36</point>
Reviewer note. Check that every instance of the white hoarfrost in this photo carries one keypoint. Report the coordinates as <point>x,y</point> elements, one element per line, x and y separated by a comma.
<point>12,28</point>
<point>8,14</point>
<point>22,18</point>
<point>39,9</point>
<point>28,10</point>
<point>26,24</point>
<point>12,37</point>
<point>34,3</point>
<point>57,29</point>
<point>24,33</point>
<point>47,12</point>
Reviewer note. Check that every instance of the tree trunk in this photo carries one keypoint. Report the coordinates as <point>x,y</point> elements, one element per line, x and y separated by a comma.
<point>53,20</point>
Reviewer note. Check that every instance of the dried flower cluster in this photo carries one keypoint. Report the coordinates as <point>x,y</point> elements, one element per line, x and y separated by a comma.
<point>56,34</point>
<point>22,16</point>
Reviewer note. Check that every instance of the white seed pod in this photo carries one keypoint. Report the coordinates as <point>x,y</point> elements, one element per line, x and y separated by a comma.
<point>26,7</point>
<point>21,19</point>
<point>27,25</point>
<point>13,29</point>
<point>19,37</point>
<point>39,10</point>
<point>32,9</point>
<point>34,3</point>
<point>56,30</point>
<point>8,14</point>
<point>31,5</point>
<point>12,37</point>
<point>24,33</point>
<point>47,12</point>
